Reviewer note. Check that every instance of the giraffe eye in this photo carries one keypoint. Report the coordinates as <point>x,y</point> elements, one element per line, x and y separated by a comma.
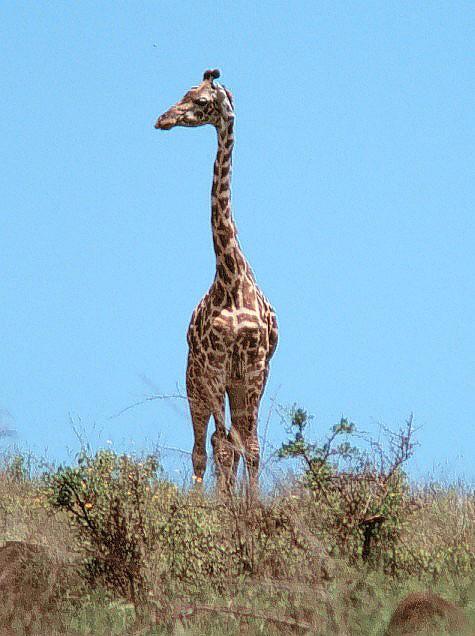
<point>201,101</point>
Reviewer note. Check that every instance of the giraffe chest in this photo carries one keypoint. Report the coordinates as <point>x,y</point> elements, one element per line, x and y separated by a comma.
<point>217,335</point>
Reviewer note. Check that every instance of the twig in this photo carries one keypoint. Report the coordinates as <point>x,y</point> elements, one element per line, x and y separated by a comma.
<point>242,612</point>
<point>149,398</point>
<point>157,391</point>
<point>175,449</point>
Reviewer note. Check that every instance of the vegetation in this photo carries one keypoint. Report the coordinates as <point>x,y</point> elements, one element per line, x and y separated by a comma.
<point>110,546</point>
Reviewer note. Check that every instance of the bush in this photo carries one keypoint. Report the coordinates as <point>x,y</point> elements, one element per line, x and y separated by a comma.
<point>108,499</point>
<point>360,498</point>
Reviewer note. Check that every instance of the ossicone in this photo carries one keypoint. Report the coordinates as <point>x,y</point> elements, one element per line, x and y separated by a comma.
<point>211,74</point>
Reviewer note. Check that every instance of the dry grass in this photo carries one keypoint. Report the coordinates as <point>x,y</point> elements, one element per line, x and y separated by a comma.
<point>214,565</point>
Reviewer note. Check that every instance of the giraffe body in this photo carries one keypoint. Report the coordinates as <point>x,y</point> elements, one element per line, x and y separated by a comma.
<point>233,330</point>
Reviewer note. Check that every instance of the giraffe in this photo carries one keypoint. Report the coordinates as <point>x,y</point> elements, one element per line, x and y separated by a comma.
<point>233,330</point>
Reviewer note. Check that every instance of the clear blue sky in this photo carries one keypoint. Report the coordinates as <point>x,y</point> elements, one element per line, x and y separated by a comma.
<point>353,192</point>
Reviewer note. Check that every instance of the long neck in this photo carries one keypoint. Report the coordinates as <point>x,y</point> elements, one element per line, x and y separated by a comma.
<point>230,261</point>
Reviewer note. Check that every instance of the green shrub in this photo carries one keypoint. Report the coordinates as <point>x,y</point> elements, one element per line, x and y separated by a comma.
<point>360,498</point>
<point>108,499</point>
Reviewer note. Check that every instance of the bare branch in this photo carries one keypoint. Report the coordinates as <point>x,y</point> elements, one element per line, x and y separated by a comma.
<point>149,398</point>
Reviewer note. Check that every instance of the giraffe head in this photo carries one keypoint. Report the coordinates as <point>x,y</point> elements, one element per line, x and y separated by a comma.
<point>208,103</point>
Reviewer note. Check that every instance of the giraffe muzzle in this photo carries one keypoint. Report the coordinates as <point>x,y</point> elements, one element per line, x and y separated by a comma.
<point>177,115</point>
<point>164,123</point>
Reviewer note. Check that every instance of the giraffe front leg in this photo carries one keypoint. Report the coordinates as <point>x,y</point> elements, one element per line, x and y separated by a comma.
<point>235,440</point>
<point>200,414</point>
<point>244,443</point>
<point>199,456</point>
<point>244,400</point>
<point>223,460</point>
<point>251,441</point>
<point>237,393</point>
<point>223,453</point>
<point>213,389</point>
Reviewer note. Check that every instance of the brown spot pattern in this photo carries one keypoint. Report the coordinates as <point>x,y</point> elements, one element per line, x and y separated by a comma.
<point>228,259</point>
